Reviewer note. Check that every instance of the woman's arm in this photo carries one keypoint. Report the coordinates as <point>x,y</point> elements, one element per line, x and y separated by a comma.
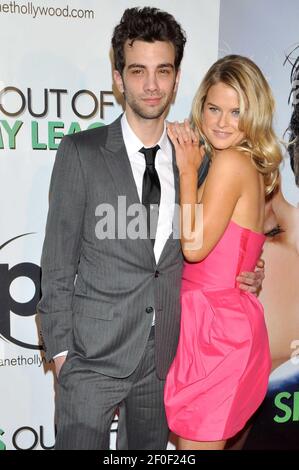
<point>203,225</point>
<point>188,159</point>
<point>247,281</point>
<point>221,193</point>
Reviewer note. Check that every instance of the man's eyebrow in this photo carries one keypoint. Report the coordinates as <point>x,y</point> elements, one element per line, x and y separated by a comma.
<point>167,64</point>
<point>160,66</point>
<point>133,66</point>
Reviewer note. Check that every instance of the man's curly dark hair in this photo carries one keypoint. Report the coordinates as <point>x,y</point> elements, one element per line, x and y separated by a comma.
<point>149,25</point>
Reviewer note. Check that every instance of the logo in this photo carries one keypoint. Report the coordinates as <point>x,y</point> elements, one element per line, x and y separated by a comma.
<point>2,445</point>
<point>288,405</point>
<point>28,438</point>
<point>8,304</point>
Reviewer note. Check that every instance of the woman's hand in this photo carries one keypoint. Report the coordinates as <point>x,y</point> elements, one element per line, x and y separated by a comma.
<point>186,143</point>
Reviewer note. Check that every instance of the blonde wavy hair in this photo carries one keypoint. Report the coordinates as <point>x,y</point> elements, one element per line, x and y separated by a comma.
<point>256,113</point>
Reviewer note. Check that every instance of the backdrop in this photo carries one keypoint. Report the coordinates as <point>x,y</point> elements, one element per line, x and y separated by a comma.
<point>56,79</point>
<point>267,32</point>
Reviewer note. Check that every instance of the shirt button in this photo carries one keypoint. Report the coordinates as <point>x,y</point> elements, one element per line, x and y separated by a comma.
<point>149,309</point>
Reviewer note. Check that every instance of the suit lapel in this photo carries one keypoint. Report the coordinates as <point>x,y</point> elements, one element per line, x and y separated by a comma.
<point>119,166</point>
<point>176,176</point>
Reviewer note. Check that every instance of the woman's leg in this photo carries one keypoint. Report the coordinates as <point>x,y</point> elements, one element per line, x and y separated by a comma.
<point>185,444</point>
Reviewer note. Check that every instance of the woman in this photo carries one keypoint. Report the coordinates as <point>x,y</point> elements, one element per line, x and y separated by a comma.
<point>281,253</point>
<point>275,425</point>
<point>220,373</point>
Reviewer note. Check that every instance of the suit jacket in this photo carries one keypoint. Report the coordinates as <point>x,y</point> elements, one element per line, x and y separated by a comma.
<point>99,295</point>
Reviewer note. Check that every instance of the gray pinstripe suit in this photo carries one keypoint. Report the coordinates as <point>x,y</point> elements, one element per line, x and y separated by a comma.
<point>105,318</point>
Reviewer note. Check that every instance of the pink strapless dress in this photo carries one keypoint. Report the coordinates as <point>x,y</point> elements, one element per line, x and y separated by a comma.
<point>220,373</point>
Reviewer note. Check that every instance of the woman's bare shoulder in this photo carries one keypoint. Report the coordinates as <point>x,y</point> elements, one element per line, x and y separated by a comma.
<point>234,161</point>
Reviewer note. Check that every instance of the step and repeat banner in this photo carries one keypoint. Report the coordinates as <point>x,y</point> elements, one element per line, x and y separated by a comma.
<point>267,32</point>
<point>55,79</point>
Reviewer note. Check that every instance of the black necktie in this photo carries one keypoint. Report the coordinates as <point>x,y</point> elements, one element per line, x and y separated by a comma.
<point>203,169</point>
<point>151,190</point>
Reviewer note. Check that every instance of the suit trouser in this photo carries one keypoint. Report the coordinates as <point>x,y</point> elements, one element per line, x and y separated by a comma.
<point>87,401</point>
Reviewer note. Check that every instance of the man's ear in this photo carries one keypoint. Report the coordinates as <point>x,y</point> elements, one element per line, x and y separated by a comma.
<point>118,81</point>
<point>177,80</point>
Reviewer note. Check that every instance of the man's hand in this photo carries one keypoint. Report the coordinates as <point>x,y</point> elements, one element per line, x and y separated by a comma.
<point>252,282</point>
<point>59,361</point>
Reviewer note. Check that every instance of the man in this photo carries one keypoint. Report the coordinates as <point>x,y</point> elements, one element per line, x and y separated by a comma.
<point>119,323</point>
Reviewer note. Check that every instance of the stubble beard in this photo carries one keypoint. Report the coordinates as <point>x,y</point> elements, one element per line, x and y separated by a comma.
<point>143,113</point>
